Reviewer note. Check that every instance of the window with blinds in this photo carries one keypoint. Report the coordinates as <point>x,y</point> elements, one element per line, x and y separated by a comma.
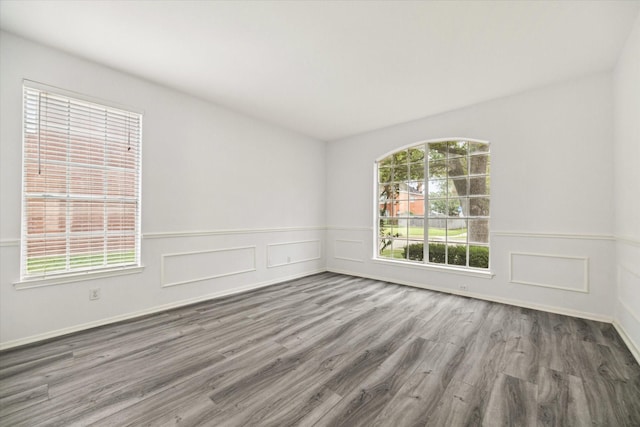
<point>81,185</point>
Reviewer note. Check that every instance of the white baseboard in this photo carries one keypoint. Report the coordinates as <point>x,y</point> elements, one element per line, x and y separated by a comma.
<point>157,309</point>
<point>633,347</point>
<point>547,308</point>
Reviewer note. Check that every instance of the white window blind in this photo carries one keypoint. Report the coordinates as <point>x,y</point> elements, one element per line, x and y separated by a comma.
<point>81,185</point>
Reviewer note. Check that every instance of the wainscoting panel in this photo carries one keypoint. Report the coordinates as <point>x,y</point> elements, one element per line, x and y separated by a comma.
<point>550,271</point>
<point>280,254</point>
<point>188,267</point>
<point>349,250</point>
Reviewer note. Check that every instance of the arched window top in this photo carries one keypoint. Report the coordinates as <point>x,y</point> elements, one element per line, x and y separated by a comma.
<point>420,145</point>
<point>433,203</point>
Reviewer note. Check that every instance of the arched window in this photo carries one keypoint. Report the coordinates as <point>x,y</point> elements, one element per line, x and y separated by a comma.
<point>433,204</point>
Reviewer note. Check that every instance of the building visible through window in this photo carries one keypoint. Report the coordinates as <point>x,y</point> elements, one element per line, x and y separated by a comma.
<point>81,184</point>
<point>433,204</point>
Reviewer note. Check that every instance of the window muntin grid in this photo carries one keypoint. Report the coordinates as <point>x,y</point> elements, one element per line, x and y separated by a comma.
<point>81,185</point>
<point>434,204</point>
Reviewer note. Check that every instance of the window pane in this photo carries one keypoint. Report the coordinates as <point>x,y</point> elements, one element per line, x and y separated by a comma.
<point>399,249</point>
<point>458,187</point>
<point>478,147</point>
<point>46,215</point>
<point>437,229</point>
<point>415,250</point>
<point>479,206</point>
<point>402,204</point>
<point>479,186</point>
<point>386,162</point>
<point>86,251</point>
<point>51,179</point>
<point>457,230</point>
<point>384,174</point>
<point>416,206</point>
<point>386,227</point>
<point>120,250</point>
<point>457,167</point>
<point>416,188</point>
<point>437,253</point>
<point>457,255</point>
<point>416,171</point>
<point>479,256</point>
<point>400,173</point>
<point>395,209</point>
<point>400,158</point>
<point>458,207</point>
<point>479,231</point>
<point>457,149</point>
<point>437,150</point>
<point>388,197</point>
<point>415,229</point>
<point>479,164</point>
<point>46,255</point>
<point>437,207</point>
<point>388,191</point>
<point>86,181</point>
<point>416,154</point>
<point>400,229</point>
<point>86,216</point>
<point>121,216</point>
<point>385,246</point>
<point>438,169</point>
<point>437,187</point>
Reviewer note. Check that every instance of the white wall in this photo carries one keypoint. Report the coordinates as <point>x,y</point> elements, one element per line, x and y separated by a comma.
<point>551,195</point>
<point>627,186</point>
<point>211,179</point>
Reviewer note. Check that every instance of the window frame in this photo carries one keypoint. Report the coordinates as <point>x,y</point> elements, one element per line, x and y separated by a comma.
<point>425,217</point>
<point>71,273</point>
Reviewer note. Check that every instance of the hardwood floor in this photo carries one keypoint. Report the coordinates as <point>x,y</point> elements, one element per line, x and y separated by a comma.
<point>329,350</point>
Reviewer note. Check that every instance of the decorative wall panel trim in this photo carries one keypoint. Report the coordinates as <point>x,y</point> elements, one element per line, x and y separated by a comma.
<point>278,255</point>
<point>552,235</point>
<point>348,228</point>
<point>197,233</point>
<point>9,242</point>
<point>628,240</point>
<point>250,261</point>
<point>358,243</point>
<point>584,270</point>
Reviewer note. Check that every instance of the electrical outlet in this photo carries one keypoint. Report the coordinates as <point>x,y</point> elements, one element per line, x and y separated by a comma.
<point>464,288</point>
<point>288,259</point>
<point>94,293</point>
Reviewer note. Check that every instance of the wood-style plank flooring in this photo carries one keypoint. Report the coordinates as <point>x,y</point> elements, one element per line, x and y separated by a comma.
<point>329,350</point>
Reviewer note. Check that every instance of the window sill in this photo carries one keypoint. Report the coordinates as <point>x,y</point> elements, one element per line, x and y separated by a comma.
<point>441,269</point>
<point>38,282</point>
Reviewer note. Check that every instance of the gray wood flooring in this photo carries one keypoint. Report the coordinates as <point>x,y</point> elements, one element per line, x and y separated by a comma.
<point>329,350</point>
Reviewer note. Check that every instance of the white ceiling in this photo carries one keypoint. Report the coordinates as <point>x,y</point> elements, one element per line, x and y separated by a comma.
<point>332,69</point>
